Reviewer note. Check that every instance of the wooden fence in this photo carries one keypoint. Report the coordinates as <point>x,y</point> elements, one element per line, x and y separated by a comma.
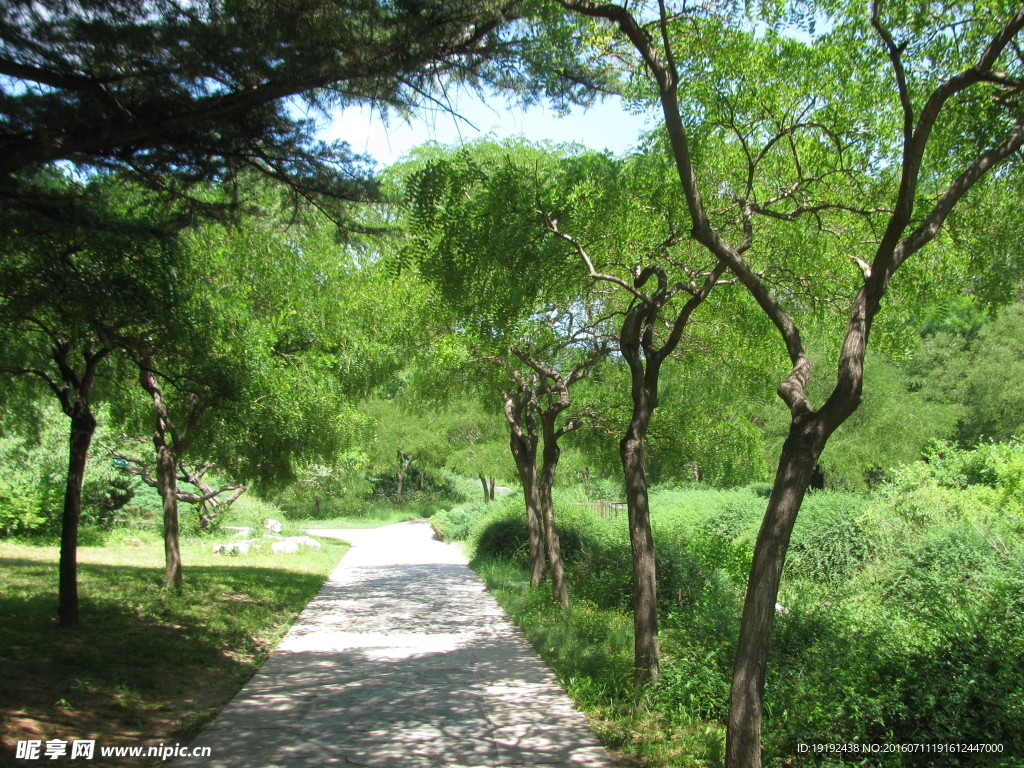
<point>604,509</point>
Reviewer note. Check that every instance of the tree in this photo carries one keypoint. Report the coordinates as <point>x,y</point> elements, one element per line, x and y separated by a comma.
<point>171,439</point>
<point>179,94</point>
<point>73,276</point>
<point>913,102</point>
<point>613,197</point>
<point>538,330</point>
<point>498,234</point>
<point>481,446</point>
<point>206,498</point>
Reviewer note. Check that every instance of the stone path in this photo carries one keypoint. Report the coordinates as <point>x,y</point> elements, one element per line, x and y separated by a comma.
<point>403,660</point>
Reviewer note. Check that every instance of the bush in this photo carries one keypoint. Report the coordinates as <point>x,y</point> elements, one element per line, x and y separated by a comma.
<point>903,618</point>
<point>829,539</point>
<point>457,523</point>
<point>503,532</point>
<point>502,535</point>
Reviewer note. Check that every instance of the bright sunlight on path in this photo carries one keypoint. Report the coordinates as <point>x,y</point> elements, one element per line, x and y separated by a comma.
<point>403,660</point>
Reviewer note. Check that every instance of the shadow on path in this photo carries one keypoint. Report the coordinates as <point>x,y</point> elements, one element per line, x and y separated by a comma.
<point>403,660</point>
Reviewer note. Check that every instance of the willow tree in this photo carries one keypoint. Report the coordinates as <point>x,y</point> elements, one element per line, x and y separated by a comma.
<point>874,131</point>
<point>524,311</point>
<point>257,360</point>
<point>611,220</point>
<point>563,226</point>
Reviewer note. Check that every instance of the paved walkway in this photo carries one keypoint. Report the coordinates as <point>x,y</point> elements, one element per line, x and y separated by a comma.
<point>403,660</point>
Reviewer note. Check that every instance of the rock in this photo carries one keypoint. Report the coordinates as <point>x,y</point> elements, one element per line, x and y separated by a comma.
<point>305,541</point>
<point>272,525</point>
<point>286,547</point>
<point>235,547</point>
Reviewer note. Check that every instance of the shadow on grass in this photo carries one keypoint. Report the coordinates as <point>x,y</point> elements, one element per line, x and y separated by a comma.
<point>145,662</point>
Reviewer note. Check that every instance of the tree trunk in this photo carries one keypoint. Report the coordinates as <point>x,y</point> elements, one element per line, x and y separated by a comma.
<point>549,463</point>
<point>316,507</point>
<point>523,444</point>
<point>537,555</point>
<point>646,650</point>
<point>796,465</point>
<point>400,477</point>
<point>483,482</point>
<point>205,515</point>
<point>166,468</point>
<point>167,457</point>
<point>83,426</point>
<point>491,493</point>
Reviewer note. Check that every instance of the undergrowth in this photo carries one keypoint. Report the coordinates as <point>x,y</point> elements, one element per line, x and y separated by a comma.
<point>901,617</point>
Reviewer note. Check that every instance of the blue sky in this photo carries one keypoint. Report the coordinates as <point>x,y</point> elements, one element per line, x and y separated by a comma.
<point>606,125</point>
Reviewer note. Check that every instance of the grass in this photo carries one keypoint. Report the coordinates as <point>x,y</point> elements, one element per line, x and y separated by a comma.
<point>372,516</point>
<point>590,649</point>
<point>146,665</point>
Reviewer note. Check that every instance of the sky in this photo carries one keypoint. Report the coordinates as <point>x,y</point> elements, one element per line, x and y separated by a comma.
<point>606,125</point>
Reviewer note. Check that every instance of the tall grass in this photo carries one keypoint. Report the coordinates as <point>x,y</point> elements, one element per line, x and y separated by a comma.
<point>901,621</point>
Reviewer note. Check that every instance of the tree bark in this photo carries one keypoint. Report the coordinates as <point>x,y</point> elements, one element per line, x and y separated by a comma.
<point>550,456</point>
<point>170,444</point>
<point>646,648</point>
<point>83,426</point>
<point>527,468</point>
<point>404,460</point>
<point>483,482</point>
<point>73,391</point>
<point>491,490</point>
<point>519,412</point>
<point>166,468</point>
<point>799,456</point>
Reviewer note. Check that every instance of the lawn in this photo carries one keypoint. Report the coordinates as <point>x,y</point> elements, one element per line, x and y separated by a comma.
<point>146,665</point>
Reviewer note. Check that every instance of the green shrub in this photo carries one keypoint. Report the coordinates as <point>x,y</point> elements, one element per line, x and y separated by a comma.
<point>903,618</point>
<point>829,539</point>
<point>503,531</point>
<point>21,506</point>
<point>502,534</point>
<point>457,523</point>
<point>250,511</point>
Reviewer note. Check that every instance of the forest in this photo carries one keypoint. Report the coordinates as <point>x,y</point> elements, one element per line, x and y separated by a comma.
<point>638,388</point>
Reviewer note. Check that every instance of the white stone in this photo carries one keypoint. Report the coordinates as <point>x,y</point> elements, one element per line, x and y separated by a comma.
<point>236,547</point>
<point>272,525</point>
<point>305,541</point>
<point>286,547</point>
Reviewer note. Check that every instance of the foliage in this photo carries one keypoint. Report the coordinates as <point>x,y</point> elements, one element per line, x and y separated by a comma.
<point>180,96</point>
<point>994,384</point>
<point>862,452</point>
<point>899,619</point>
<point>35,465</point>
<point>971,362</point>
<point>457,523</point>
